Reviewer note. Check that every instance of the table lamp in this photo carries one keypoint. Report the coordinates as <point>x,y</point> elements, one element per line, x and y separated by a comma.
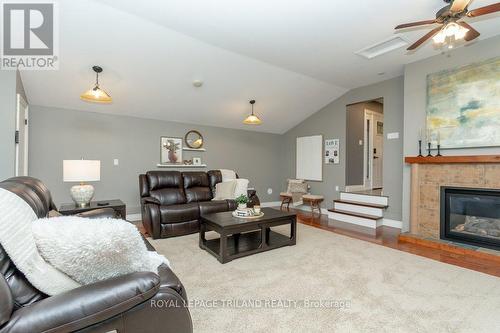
<point>82,171</point>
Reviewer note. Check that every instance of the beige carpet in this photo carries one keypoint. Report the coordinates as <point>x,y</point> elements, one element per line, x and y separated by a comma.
<point>388,290</point>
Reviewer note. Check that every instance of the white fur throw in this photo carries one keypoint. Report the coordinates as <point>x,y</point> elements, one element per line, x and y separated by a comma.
<point>16,218</point>
<point>91,250</point>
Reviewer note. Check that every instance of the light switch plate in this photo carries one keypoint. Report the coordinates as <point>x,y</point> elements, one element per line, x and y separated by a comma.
<point>392,136</point>
<point>116,162</point>
<point>360,142</point>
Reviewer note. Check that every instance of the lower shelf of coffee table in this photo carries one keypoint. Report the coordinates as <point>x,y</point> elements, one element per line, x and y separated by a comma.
<point>248,243</point>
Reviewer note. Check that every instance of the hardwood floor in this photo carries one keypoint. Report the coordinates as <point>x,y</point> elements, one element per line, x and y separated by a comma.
<point>387,236</point>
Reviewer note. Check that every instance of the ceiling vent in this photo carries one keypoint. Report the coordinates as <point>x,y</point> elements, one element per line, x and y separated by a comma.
<point>387,45</point>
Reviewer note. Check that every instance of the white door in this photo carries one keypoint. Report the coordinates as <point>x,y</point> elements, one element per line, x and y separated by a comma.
<point>21,137</point>
<point>378,150</point>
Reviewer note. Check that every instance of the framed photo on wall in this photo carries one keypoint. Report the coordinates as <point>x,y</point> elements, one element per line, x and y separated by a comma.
<point>196,160</point>
<point>332,151</point>
<point>171,150</point>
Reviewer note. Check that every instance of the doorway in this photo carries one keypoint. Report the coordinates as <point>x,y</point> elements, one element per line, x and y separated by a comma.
<point>365,146</point>
<point>22,115</point>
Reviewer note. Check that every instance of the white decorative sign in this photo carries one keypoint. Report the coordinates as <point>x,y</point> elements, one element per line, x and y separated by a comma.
<point>332,151</point>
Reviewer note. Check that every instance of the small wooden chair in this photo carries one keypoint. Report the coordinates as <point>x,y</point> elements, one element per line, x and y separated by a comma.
<point>314,201</point>
<point>286,199</point>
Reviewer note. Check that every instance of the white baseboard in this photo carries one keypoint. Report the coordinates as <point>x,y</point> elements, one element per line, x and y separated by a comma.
<point>134,217</point>
<point>353,188</point>
<point>392,223</point>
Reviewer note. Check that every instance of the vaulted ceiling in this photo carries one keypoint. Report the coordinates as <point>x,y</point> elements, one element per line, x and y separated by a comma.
<point>292,56</point>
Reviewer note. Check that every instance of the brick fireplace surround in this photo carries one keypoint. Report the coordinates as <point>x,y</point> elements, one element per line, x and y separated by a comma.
<point>428,174</point>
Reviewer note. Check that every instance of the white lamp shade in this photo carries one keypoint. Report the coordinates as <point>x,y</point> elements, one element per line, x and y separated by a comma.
<point>81,171</point>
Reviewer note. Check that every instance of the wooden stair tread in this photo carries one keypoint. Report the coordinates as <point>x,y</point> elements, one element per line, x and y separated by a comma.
<point>365,216</point>
<point>357,203</point>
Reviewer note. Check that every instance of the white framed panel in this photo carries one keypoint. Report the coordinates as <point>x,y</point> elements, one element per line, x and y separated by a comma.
<point>309,158</point>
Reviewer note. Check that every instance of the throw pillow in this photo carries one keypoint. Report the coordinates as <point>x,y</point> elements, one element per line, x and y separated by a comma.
<point>241,187</point>
<point>225,190</point>
<point>227,175</point>
<point>297,187</point>
<point>91,250</point>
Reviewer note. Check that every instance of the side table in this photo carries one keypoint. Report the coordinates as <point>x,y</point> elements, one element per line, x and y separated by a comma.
<point>117,205</point>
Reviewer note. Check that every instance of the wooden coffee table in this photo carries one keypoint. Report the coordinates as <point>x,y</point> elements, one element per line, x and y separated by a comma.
<point>243,237</point>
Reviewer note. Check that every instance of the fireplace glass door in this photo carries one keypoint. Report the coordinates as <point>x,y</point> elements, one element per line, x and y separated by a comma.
<point>471,216</point>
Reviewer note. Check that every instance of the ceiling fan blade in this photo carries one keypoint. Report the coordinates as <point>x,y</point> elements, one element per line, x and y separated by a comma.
<point>471,34</point>
<point>484,10</point>
<point>459,5</point>
<point>427,36</point>
<point>415,24</point>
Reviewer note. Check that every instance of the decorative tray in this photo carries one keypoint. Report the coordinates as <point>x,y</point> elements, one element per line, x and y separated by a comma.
<point>248,217</point>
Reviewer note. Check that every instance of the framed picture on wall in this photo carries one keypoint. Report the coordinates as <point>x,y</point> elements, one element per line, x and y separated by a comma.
<point>463,106</point>
<point>332,151</point>
<point>171,150</point>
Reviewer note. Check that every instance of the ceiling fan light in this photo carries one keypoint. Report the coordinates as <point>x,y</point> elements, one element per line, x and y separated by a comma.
<point>462,32</point>
<point>451,29</point>
<point>439,38</point>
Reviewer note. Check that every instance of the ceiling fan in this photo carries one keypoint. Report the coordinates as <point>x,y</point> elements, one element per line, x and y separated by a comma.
<point>451,28</point>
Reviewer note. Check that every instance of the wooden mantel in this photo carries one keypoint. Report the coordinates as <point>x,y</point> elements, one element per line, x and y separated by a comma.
<point>453,159</point>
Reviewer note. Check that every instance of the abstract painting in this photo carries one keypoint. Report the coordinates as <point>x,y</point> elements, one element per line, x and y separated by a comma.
<point>463,105</point>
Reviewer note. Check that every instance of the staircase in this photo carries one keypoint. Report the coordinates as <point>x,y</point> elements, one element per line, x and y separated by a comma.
<point>361,209</point>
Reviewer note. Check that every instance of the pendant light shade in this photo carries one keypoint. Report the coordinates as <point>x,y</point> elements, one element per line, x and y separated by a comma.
<point>252,119</point>
<point>96,94</point>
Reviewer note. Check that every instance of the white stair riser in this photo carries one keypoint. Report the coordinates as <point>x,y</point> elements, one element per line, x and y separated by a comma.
<point>359,209</point>
<point>355,220</point>
<point>362,198</point>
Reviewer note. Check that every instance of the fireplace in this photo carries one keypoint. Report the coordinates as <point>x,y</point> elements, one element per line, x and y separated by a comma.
<point>471,216</point>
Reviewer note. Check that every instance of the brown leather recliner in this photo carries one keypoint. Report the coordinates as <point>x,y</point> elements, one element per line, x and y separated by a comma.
<point>138,302</point>
<point>172,202</point>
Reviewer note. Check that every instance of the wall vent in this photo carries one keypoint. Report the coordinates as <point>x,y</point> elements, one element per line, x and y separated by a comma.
<point>387,45</point>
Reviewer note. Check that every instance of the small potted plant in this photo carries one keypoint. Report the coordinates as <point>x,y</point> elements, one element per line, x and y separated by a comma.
<point>242,201</point>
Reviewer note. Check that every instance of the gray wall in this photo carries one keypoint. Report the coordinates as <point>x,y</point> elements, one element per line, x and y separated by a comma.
<point>331,123</point>
<point>355,132</point>
<point>59,134</point>
<point>10,84</point>
<point>7,122</point>
<point>415,100</point>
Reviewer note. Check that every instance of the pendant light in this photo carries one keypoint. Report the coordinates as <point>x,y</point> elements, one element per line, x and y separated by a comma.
<point>96,94</point>
<point>252,119</point>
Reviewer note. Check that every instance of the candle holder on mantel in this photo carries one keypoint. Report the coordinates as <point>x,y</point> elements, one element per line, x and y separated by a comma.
<point>420,148</point>
<point>429,149</point>
<point>439,150</point>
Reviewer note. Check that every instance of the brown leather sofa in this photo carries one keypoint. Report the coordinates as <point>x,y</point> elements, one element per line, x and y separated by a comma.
<point>140,302</point>
<point>172,202</point>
